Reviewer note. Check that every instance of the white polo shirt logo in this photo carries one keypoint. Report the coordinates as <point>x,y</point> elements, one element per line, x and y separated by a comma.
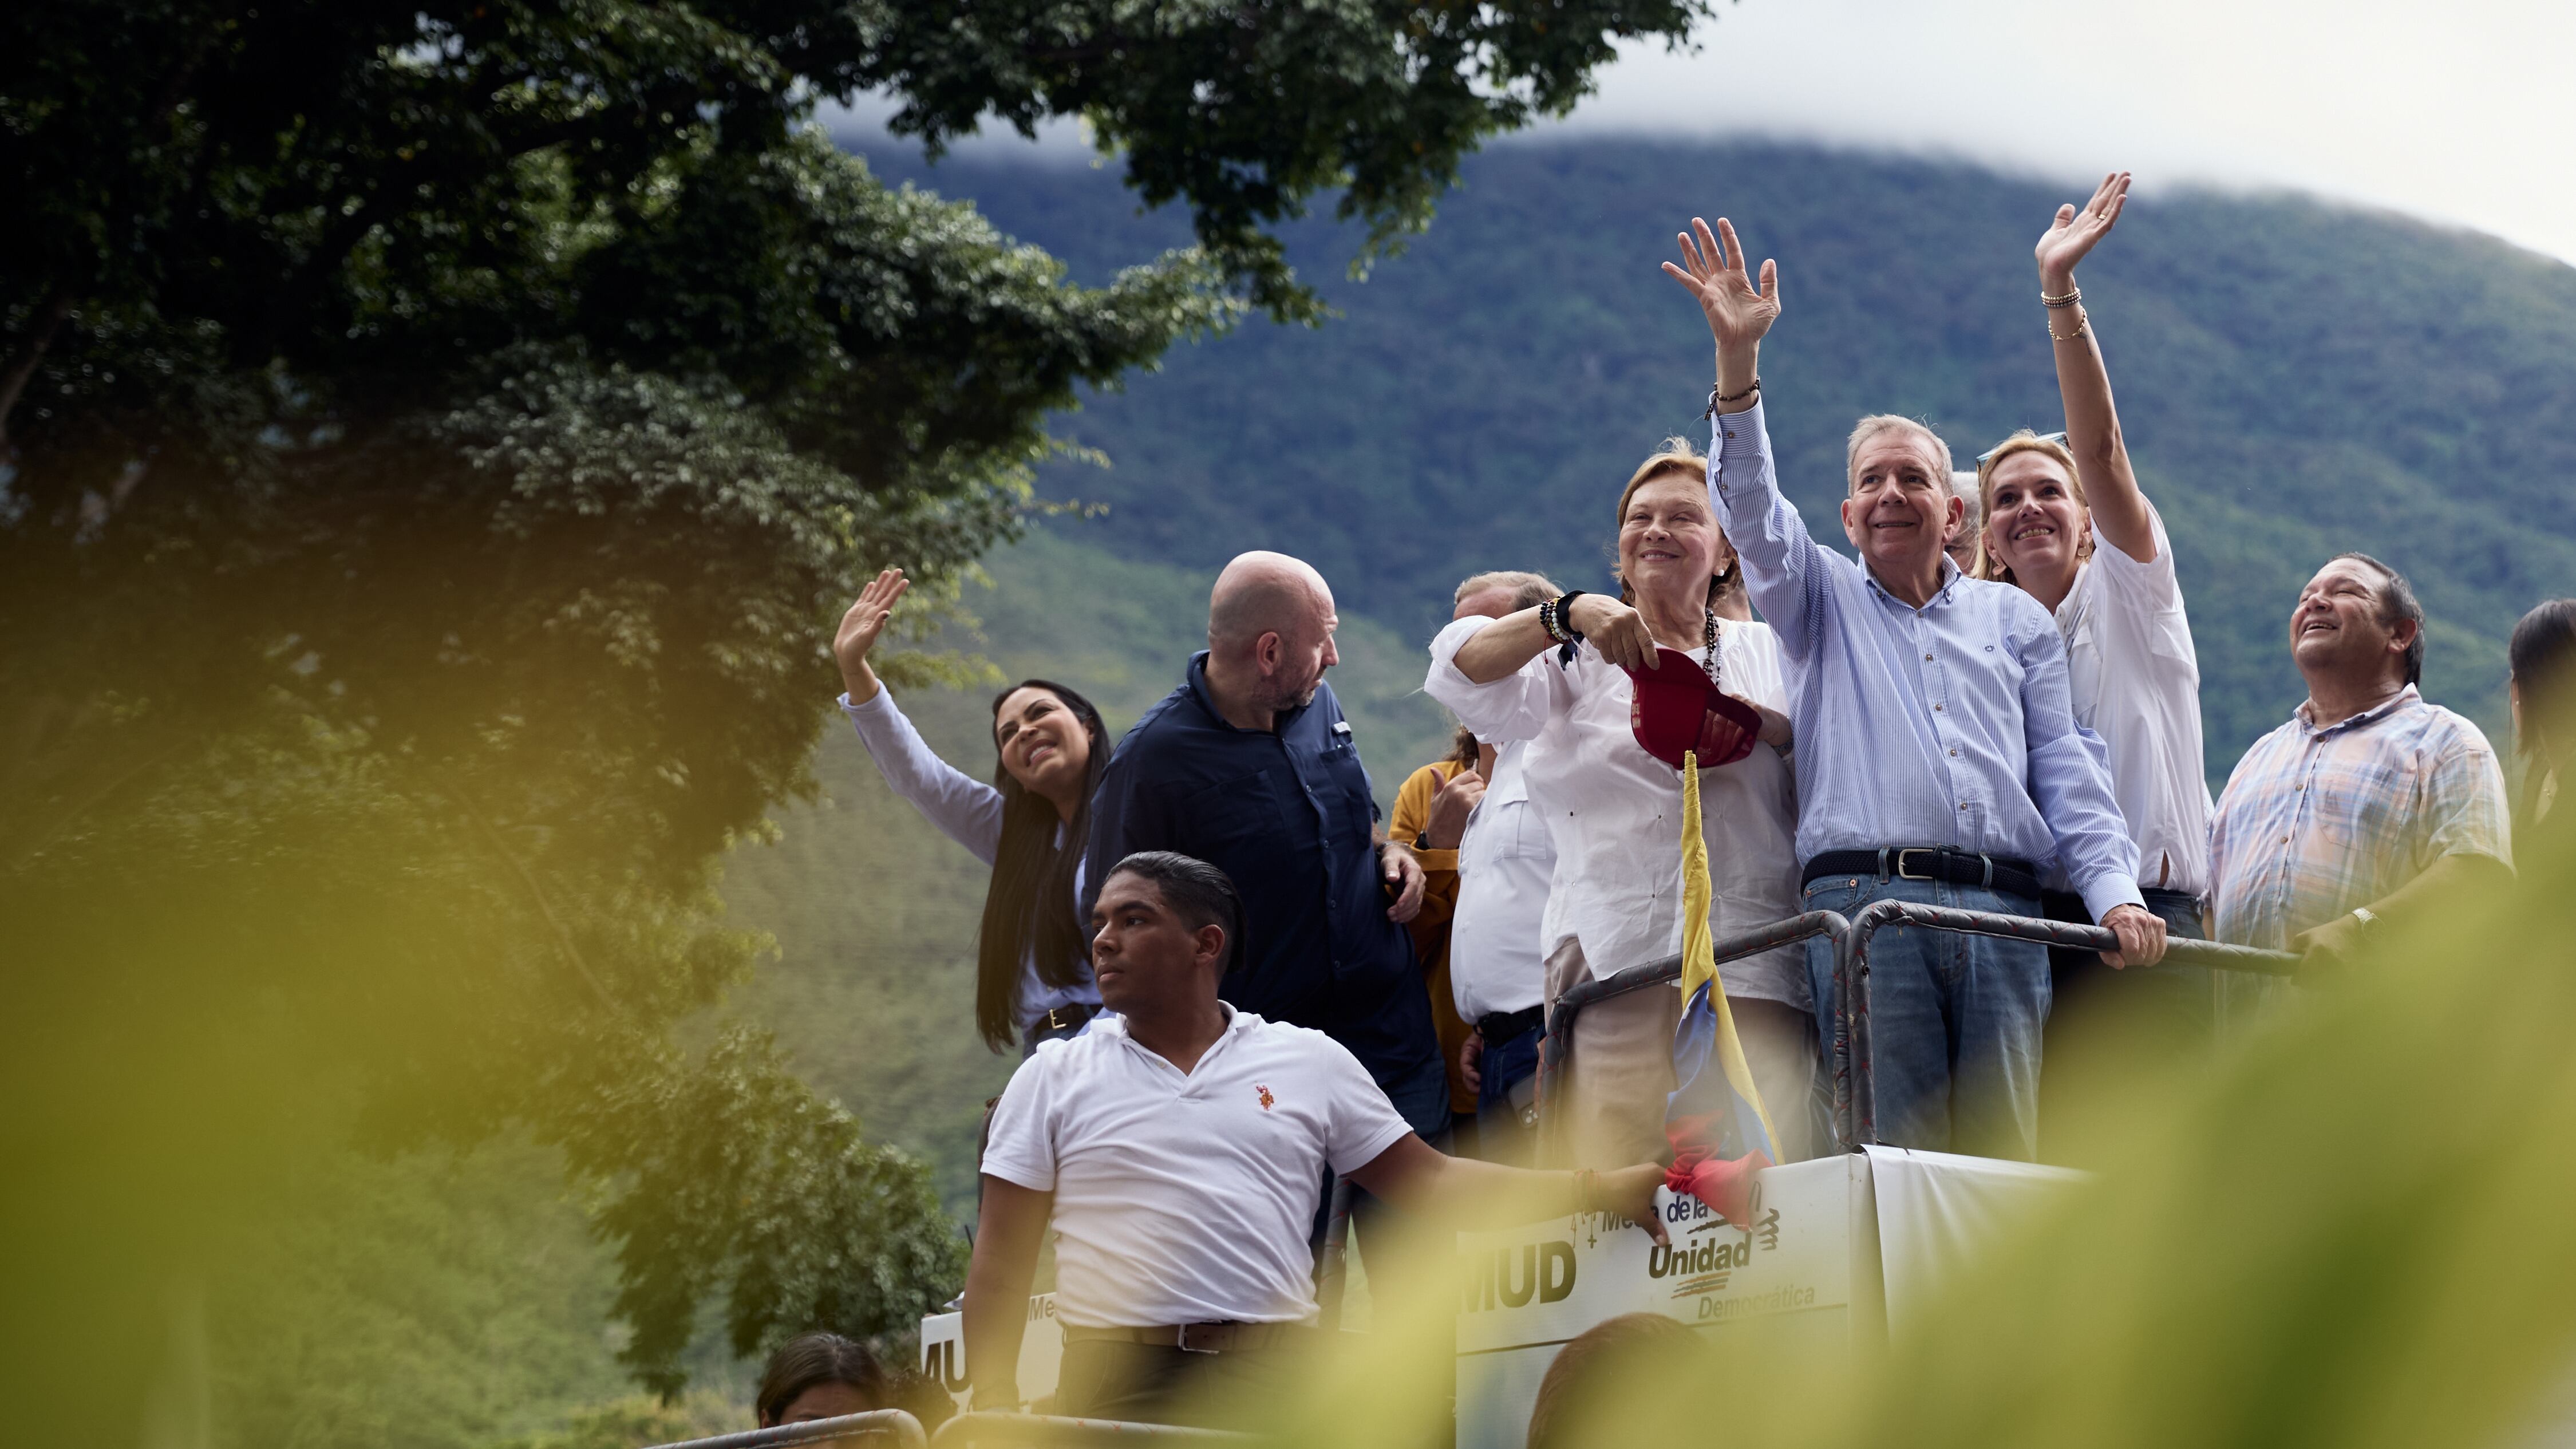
<point>1267,1101</point>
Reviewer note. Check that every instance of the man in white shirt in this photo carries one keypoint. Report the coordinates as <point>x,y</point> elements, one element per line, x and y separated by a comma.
<point>1497,971</point>
<point>1177,1150</point>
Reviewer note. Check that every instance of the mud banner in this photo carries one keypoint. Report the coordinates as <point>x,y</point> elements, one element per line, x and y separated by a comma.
<point>1791,1270</point>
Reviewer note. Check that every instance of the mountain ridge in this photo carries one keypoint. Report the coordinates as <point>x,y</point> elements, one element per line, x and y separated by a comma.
<point>2296,378</point>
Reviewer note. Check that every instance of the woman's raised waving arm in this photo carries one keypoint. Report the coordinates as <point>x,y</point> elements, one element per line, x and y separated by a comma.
<point>2111,491</point>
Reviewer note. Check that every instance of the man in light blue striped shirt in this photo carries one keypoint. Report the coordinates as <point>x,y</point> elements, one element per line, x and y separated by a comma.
<point>1938,758</point>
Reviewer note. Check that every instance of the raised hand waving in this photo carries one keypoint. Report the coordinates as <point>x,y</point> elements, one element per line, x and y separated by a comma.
<point>2072,236</point>
<point>1713,272</point>
<point>860,629</point>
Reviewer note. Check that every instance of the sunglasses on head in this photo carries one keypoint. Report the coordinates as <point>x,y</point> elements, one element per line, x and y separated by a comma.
<point>1999,447</point>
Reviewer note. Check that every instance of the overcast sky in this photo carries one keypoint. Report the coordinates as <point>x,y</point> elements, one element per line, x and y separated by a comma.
<point>2457,110</point>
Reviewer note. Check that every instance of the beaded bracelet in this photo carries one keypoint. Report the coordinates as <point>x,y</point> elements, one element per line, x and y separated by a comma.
<point>2069,300</point>
<point>1715,397</point>
<point>1558,615</point>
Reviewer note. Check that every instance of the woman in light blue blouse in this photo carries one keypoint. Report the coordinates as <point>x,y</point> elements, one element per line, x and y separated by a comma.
<point>1032,966</point>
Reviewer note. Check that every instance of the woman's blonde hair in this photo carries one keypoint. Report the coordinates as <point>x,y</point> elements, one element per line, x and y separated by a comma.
<point>1987,565</point>
<point>1676,456</point>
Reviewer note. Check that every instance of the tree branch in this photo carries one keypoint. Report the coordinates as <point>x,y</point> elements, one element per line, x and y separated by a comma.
<point>44,325</point>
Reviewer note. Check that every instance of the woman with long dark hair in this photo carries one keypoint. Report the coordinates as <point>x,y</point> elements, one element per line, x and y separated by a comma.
<point>2542,656</point>
<point>1032,972</point>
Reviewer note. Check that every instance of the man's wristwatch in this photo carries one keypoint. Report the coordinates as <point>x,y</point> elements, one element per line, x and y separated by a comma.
<point>1422,840</point>
<point>2369,921</point>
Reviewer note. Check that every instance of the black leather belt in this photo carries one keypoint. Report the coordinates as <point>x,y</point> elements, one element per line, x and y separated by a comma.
<point>1928,862</point>
<point>1195,1337</point>
<point>1502,1026</point>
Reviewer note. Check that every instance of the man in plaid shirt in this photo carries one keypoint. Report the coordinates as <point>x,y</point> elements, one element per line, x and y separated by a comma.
<point>2368,801</point>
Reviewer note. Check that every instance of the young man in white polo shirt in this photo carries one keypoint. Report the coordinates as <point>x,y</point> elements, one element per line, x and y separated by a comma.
<point>1179,1148</point>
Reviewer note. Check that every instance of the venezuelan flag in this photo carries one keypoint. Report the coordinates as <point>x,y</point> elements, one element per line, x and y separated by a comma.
<point>1720,1135</point>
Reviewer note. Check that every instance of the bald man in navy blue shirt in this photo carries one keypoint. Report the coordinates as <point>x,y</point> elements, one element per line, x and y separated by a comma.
<point>1249,766</point>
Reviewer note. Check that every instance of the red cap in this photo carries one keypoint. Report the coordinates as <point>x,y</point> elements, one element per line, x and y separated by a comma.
<point>1675,708</point>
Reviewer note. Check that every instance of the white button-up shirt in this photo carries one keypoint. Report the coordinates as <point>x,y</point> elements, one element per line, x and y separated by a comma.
<point>1943,725</point>
<point>1615,812</point>
<point>2133,678</point>
<point>1505,860</point>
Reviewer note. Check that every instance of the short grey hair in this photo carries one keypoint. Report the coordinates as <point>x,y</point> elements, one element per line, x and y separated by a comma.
<point>1877,423</point>
<point>1528,590</point>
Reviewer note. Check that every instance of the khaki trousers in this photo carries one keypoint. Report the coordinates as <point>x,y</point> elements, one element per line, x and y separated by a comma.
<point>1609,1112</point>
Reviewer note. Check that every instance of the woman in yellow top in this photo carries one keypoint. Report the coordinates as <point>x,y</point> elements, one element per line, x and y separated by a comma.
<point>1431,815</point>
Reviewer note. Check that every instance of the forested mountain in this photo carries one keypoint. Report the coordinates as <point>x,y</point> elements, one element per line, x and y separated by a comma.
<point>2296,379</point>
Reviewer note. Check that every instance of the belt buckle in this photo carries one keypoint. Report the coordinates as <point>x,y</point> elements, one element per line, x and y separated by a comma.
<point>1903,874</point>
<point>1188,1338</point>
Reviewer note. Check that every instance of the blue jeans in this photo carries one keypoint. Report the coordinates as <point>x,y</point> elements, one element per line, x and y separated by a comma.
<point>1420,1095</point>
<point>1954,1020</point>
<point>1500,1134</point>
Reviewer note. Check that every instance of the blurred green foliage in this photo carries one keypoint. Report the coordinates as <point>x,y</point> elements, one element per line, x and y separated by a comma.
<point>433,443</point>
<point>472,1271</point>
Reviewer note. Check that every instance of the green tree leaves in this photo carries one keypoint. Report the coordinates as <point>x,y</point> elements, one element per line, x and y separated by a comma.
<point>433,439</point>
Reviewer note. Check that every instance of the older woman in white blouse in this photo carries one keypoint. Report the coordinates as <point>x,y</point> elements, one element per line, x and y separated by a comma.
<point>1615,814</point>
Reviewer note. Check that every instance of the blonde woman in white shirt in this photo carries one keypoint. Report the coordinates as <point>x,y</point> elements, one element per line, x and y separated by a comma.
<point>1614,812</point>
<point>2067,523</point>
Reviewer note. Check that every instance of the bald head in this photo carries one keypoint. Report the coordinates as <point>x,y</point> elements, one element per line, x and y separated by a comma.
<point>1270,632</point>
<point>1264,593</point>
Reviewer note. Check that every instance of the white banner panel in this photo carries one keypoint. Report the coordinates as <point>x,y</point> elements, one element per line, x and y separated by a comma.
<point>1792,1273</point>
<point>1935,1209</point>
<point>943,1351</point>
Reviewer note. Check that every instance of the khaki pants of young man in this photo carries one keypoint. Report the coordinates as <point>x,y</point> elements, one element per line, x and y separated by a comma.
<point>1609,1112</point>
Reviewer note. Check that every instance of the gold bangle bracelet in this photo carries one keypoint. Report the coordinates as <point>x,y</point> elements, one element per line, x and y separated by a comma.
<point>2081,322</point>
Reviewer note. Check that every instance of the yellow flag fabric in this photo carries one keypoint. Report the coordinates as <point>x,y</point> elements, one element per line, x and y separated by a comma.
<point>1699,948</point>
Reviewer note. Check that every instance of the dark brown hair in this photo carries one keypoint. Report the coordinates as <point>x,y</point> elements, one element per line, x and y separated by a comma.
<point>2397,602</point>
<point>1608,1385</point>
<point>1029,910</point>
<point>811,1361</point>
<point>2543,660</point>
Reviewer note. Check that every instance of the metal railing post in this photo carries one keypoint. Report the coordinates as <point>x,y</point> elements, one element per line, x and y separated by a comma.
<point>1557,1045</point>
<point>1334,1263</point>
<point>1854,1086</point>
<point>903,1428</point>
<point>1851,979</point>
<point>991,1427</point>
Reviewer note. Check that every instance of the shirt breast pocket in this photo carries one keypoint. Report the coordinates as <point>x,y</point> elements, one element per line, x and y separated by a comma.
<point>1347,793</point>
<point>2360,816</point>
<point>1519,834</point>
